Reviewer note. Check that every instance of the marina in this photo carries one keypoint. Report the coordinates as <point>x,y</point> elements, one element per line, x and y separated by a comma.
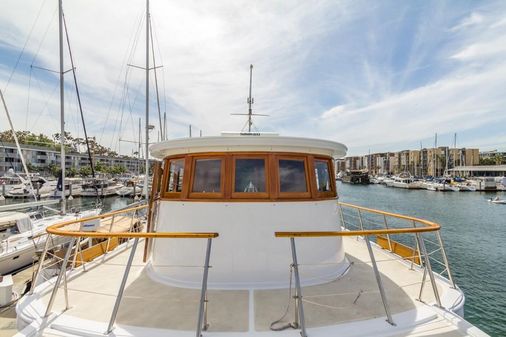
<point>127,210</point>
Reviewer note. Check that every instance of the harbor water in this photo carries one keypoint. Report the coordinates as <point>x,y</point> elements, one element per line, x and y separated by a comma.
<point>474,234</point>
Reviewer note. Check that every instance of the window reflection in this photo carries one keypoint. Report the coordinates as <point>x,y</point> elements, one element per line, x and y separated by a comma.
<point>207,176</point>
<point>176,171</point>
<point>249,175</point>
<point>292,176</point>
<point>322,175</point>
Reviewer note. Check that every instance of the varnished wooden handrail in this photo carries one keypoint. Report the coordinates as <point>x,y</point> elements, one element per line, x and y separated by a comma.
<point>428,226</point>
<point>56,229</point>
<point>399,216</point>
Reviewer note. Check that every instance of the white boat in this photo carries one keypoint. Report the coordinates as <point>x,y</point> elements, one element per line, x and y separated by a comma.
<point>466,187</point>
<point>497,200</point>
<point>73,187</point>
<point>266,205</point>
<point>99,188</point>
<point>43,189</point>
<point>404,180</point>
<point>22,234</point>
<point>127,191</point>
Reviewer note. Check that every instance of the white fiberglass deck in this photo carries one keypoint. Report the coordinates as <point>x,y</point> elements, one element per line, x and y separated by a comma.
<point>349,306</point>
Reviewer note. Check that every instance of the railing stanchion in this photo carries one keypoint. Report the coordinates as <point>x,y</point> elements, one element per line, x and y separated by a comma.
<point>378,280</point>
<point>360,220</point>
<point>66,290</point>
<point>429,268</point>
<point>60,275</point>
<point>388,235</point>
<point>298,289</point>
<point>39,267</point>
<point>424,278</point>
<point>109,239</point>
<point>445,258</point>
<point>342,216</point>
<point>204,289</point>
<point>74,259</point>
<point>122,287</point>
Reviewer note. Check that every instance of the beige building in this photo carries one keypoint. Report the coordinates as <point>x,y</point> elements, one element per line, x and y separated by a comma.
<point>424,162</point>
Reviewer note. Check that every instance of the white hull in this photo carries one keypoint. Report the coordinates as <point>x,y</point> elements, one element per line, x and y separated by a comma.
<point>18,250</point>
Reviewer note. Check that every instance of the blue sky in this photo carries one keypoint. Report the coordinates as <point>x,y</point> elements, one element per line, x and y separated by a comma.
<point>378,76</point>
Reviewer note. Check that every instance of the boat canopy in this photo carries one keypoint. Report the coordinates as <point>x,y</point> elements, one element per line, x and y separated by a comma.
<point>20,220</point>
<point>248,143</point>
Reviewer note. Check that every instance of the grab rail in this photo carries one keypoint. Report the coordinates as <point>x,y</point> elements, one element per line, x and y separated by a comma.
<point>61,229</point>
<point>424,227</point>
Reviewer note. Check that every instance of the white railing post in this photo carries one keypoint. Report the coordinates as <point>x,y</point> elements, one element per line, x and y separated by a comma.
<point>298,290</point>
<point>63,270</point>
<point>122,287</point>
<point>378,280</point>
<point>429,268</point>
<point>203,291</point>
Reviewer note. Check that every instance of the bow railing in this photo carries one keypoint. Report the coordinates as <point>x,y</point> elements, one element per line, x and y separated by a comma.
<point>111,227</point>
<point>405,236</point>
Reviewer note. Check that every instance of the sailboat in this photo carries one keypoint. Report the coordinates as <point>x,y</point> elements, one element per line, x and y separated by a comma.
<point>22,234</point>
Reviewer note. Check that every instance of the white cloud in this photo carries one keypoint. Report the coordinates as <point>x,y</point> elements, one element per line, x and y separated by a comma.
<point>382,75</point>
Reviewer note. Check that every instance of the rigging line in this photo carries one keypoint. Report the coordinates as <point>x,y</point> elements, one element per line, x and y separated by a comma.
<point>153,31</point>
<point>126,57</point>
<point>44,108</point>
<point>156,82</point>
<point>28,101</point>
<point>24,46</point>
<point>44,36</point>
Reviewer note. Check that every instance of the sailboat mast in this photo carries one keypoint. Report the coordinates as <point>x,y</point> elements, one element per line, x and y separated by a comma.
<point>147,102</point>
<point>23,162</point>
<point>139,151</point>
<point>250,100</point>
<point>62,108</point>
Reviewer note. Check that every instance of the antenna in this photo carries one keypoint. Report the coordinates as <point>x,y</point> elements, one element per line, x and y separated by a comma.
<point>250,102</point>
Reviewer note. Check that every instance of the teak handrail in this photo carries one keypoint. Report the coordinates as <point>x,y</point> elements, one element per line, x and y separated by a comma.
<point>56,229</point>
<point>429,226</point>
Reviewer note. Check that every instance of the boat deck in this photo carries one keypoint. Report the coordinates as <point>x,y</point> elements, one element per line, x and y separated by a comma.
<point>348,306</point>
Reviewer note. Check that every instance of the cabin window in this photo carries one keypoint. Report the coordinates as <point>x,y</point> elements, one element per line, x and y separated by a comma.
<point>292,176</point>
<point>176,173</point>
<point>250,175</point>
<point>322,173</point>
<point>207,176</point>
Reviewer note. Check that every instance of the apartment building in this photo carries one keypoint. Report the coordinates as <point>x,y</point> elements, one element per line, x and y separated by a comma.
<point>423,162</point>
<point>42,157</point>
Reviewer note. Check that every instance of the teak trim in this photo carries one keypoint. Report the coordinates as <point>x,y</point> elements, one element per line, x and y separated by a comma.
<point>228,178</point>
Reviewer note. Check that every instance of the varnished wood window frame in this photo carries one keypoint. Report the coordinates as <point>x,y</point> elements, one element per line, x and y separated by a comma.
<point>166,172</point>
<point>330,165</point>
<point>293,195</point>
<point>251,195</point>
<point>228,178</point>
<point>209,195</point>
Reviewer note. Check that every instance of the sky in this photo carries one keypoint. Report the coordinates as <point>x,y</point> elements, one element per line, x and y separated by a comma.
<point>375,76</point>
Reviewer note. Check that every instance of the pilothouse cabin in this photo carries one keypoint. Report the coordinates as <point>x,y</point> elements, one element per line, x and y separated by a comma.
<point>246,187</point>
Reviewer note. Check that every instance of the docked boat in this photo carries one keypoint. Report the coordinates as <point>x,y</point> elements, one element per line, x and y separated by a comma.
<point>42,189</point>
<point>73,187</point>
<point>356,177</point>
<point>405,180</point>
<point>22,234</point>
<point>497,200</point>
<point>99,188</point>
<point>287,259</point>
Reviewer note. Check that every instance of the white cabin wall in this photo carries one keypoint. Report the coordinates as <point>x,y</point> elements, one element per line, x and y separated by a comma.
<point>246,254</point>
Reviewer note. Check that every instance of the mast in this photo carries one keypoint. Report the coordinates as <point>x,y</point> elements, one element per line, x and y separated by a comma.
<point>18,146</point>
<point>139,151</point>
<point>250,99</point>
<point>62,108</point>
<point>145,189</point>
